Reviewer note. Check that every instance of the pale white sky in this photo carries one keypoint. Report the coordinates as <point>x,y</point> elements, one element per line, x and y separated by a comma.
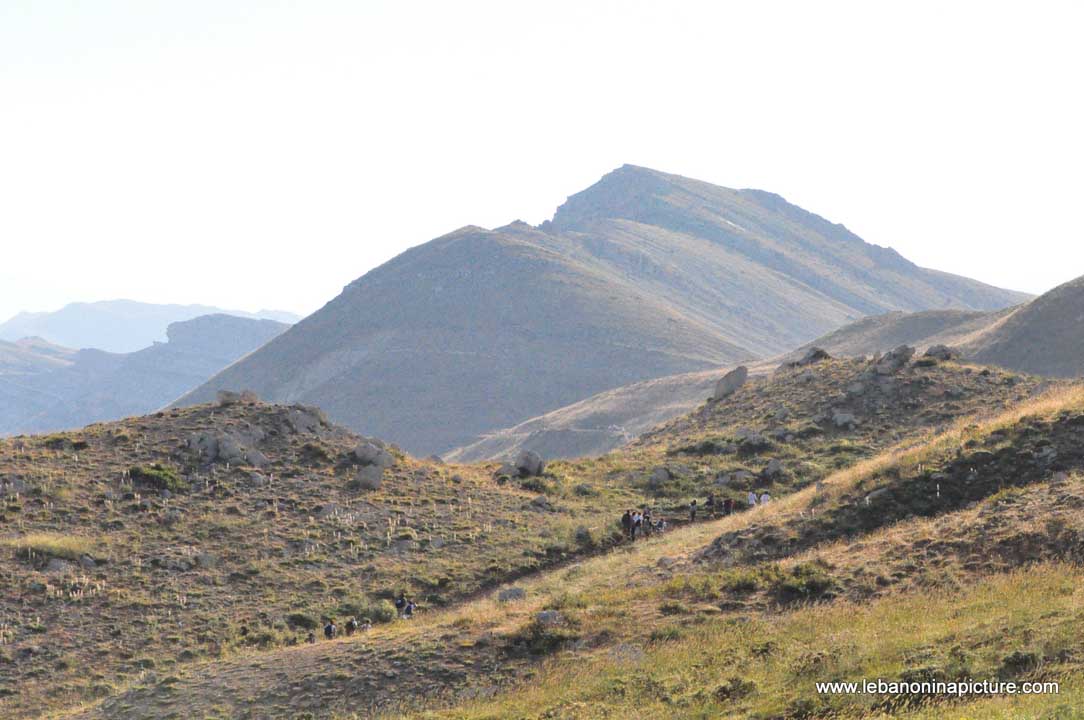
<point>256,154</point>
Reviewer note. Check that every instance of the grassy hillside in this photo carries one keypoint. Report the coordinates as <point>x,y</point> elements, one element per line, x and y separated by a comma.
<point>641,276</point>
<point>199,600</point>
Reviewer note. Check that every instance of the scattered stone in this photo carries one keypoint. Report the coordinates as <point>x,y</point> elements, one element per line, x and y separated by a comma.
<point>257,459</point>
<point>730,382</point>
<point>844,419</point>
<point>512,594</point>
<point>812,356</point>
<point>549,618</point>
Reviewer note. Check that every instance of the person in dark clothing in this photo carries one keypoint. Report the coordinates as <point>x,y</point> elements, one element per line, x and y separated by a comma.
<point>711,505</point>
<point>311,638</point>
<point>649,524</point>
<point>400,603</point>
<point>626,523</point>
<point>330,630</point>
<point>692,511</point>
<point>408,611</point>
<point>728,506</point>
<point>351,626</point>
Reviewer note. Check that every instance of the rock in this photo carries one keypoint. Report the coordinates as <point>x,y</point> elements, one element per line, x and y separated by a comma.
<point>812,356</point>
<point>940,352</point>
<point>257,459</point>
<point>773,469</point>
<point>540,502</point>
<point>512,594</point>
<point>856,389</point>
<point>205,445</point>
<point>730,382</point>
<point>206,560</point>
<point>401,547</point>
<point>548,618</point>
<point>327,510</point>
<point>229,450</point>
<point>368,452</point>
<point>893,361</point>
<point>56,566</point>
<point>249,397</point>
<point>87,562</point>
<point>370,477</point>
<point>507,470</point>
<point>667,562</point>
<point>306,420</point>
<point>225,398</point>
<point>659,477</point>
<point>844,419</point>
<point>530,464</point>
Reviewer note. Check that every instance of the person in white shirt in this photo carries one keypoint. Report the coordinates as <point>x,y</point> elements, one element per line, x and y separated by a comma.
<point>765,498</point>
<point>752,499</point>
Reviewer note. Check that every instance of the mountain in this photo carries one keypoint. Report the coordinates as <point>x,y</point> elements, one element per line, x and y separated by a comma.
<point>118,326</point>
<point>642,275</point>
<point>66,388</point>
<point>32,355</point>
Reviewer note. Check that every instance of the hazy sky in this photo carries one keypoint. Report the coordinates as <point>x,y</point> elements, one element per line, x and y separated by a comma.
<point>264,154</point>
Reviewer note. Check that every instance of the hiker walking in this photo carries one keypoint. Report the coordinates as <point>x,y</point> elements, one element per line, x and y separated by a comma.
<point>692,511</point>
<point>330,630</point>
<point>626,523</point>
<point>400,604</point>
<point>752,499</point>
<point>764,498</point>
<point>351,626</point>
<point>728,506</point>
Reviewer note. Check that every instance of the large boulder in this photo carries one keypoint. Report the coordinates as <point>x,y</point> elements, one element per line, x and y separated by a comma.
<point>225,398</point>
<point>812,356</point>
<point>369,477</point>
<point>529,463</point>
<point>730,382</point>
<point>369,452</point>
<point>894,360</point>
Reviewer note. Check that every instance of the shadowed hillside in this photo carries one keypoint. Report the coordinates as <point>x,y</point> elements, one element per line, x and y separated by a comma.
<point>640,276</point>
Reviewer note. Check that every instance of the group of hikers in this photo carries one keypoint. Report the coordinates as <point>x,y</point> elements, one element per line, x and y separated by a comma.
<point>641,523</point>
<point>404,608</point>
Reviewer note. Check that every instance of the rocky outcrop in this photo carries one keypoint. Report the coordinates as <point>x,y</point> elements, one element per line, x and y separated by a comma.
<point>730,382</point>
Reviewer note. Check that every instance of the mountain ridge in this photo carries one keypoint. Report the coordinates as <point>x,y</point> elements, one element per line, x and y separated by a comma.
<point>641,275</point>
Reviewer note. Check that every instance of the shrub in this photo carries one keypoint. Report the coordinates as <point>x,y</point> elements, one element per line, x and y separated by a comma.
<point>157,476</point>
<point>302,620</point>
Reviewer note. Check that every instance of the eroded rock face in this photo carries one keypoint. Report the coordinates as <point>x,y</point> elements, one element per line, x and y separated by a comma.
<point>730,382</point>
<point>512,594</point>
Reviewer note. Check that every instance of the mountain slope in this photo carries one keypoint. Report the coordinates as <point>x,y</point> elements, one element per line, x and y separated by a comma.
<point>642,275</point>
<point>118,326</point>
<point>92,385</point>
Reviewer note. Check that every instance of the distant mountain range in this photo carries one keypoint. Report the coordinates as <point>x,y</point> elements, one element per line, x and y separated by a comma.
<point>640,276</point>
<point>1044,337</point>
<point>118,326</point>
<point>44,387</point>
